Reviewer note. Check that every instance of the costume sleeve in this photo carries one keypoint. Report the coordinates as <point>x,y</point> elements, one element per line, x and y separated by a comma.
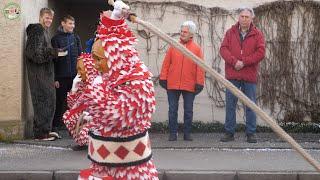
<point>225,50</point>
<point>259,54</point>
<point>200,71</point>
<point>166,64</point>
<point>73,97</point>
<point>36,50</point>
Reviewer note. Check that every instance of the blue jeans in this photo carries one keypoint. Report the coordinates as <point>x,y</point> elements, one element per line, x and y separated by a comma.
<point>249,89</point>
<point>173,99</point>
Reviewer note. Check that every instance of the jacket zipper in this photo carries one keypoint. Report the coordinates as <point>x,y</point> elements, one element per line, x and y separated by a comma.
<point>69,54</point>
<point>241,44</point>
<point>181,70</point>
<point>241,52</point>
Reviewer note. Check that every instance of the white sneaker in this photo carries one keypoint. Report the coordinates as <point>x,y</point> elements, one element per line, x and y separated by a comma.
<point>55,135</point>
<point>45,138</point>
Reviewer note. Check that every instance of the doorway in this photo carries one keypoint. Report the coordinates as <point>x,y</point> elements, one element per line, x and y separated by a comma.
<point>85,12</point>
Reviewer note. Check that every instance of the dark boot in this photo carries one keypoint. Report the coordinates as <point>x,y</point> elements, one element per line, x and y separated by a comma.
<point>251,138</point>
<point>172,137</point>
<point>187,137</point>
<point>227,137</point>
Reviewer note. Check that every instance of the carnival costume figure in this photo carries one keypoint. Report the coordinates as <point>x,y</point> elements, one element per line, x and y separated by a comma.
<point>121,102</point>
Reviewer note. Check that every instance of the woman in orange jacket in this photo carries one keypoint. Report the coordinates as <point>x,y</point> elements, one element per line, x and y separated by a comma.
<point>180,75</point>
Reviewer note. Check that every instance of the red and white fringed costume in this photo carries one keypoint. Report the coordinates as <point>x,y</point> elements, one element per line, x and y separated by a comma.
<point>121,107</point>
<point>76,103</point>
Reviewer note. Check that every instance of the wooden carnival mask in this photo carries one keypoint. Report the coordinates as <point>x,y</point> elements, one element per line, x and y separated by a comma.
<point>100,59</point>
<point>81,69</point>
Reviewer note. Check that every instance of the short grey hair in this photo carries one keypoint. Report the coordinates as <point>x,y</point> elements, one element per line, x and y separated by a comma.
<point>246,9</point>
<point>191,26</point>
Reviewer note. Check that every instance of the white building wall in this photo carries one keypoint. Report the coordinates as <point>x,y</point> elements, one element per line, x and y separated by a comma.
<point>152,51</point>
<point>168,16</point>
<point>14,96</point>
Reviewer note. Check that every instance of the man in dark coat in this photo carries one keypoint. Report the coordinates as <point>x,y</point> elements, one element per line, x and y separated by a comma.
<point>65,67</point>
<point>39,61</point>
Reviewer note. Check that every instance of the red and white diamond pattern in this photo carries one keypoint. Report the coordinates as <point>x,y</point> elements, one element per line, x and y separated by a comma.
<point>91,148</point>
<point>123,152</point>
<point>140,148</point>
<point>103,152</point>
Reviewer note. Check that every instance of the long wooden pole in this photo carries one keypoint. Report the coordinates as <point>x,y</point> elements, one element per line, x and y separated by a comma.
<point>275,127</point>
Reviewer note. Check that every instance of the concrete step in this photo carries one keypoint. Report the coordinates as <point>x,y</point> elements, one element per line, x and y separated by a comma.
<point>169,175</point>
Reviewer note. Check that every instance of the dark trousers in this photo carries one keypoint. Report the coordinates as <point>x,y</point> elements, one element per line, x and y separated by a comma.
<point>173,99</point>
<point>61,100</point>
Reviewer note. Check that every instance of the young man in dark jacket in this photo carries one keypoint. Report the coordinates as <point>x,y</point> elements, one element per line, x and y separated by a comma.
<point>65,67</point>
<point>40,68</point>
<point>243,47</point>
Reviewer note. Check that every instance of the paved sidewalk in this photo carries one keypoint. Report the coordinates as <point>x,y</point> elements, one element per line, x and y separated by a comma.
<point>203,159</point>
<point>205,141</point>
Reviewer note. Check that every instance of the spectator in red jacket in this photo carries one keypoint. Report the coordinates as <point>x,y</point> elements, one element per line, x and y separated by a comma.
<point>180,75</point>
<point>243,47</point>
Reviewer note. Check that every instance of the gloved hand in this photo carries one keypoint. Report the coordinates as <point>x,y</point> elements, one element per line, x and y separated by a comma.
<point>163,83</point>
<point>86,116</point>
<point>198,88</point>
<point>97,80</point>
<point>75,83</point>
<point>132,17</point>
<point>120,10</point>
